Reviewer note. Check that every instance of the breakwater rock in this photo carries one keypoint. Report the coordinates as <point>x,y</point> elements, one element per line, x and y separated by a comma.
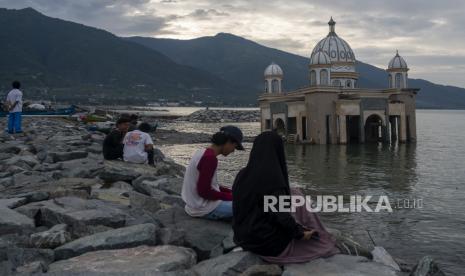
<point>66,211</point>
<point>219,116</point>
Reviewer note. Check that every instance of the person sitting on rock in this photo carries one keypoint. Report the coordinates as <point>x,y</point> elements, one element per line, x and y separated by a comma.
<point>113,142</point>
<point>203,196</point>
<point>138,146</point>
<point>278,236</point>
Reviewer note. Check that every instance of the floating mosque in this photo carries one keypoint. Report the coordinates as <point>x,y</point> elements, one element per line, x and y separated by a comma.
<point>332,109</point>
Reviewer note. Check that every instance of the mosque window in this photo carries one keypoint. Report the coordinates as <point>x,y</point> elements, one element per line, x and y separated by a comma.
<point>348,84</point>
<point>324,77</point>
<point>399,80</point>
<point>275,86</point>
<point>266,86</point>
<point>313,78</point>
<point>336,83</point>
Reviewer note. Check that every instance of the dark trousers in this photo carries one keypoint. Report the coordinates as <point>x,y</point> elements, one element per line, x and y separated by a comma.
<point>150,157</point>
<point>113,153</point>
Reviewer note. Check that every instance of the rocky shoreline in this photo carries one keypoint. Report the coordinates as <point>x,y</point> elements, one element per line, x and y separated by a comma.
<point>66,211</point>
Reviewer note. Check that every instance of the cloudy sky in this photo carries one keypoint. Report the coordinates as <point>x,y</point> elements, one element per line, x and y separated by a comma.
<point>430,35</point>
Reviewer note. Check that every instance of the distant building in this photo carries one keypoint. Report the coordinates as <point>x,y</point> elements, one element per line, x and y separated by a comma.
<point>332,109</point>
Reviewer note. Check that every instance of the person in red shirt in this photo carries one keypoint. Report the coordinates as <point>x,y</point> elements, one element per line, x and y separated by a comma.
<point>203,196</point>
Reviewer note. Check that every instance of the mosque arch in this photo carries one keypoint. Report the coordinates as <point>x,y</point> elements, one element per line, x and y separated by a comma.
<point>313,78</point>
<point>373,128</point>
<point>399,80</point>
<point>324,77</point>
<point>275,86</point>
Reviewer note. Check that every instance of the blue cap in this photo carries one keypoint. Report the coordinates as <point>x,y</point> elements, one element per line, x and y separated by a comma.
<point>235,133</point>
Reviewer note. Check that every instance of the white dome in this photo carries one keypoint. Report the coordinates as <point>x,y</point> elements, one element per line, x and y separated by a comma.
<point>335,47</point>
<point>273,70</point>
<point>320,58</point>
<point>397,62</point>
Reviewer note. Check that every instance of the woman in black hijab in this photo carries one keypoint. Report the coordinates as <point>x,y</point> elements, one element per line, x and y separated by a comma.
<point>278,237</point>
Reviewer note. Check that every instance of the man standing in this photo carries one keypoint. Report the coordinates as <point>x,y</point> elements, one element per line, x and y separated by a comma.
<point>15,107</point>
<point>113,143</point>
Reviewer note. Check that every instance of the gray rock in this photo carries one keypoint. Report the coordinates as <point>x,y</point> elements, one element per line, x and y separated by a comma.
<point>172,200</point>
<point>172,236</point>
<point>95,148</point>
<point>169,168</point>
<point>14,222</point>
<point>82,168</point>
<point>6,268</point>
<point>122,186</point>
<point>29,178</point>
<point>9,148</point>
<point>112,195</point>
<point>6,182</point>
<point>34,196</point>
<point>21,256</point>
<point>37,191</point>
<point>142,260</point>
<point>427,267</point>
<point>68,187</point>
<point>132,236</point>
<point>65,156</point>
<point>204,236</point>
<point>228,242</point>
<point>4,155</point>
<point>340,265</point>
<point>78,213</point>
<point>122,171</point>
<point>158,155</point>
<point>49,167</point>
<point>54,237</point>
<point>32,268</point>
<point>229,264</point>
<point>13,202</point>
<point>15,240</point>
<point>172,186</point>
<point>153,185</point>
<point>19,160</point>
<point>144,202</point>
<point>347,244</point>
<point>263,270</point>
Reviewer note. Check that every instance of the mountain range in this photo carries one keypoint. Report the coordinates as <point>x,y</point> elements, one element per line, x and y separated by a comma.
<point>241,61</point>
<point>76,63</point>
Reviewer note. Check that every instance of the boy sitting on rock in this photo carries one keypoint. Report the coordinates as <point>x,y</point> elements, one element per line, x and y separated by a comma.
<point>113,143</point>
<point>138,146</point>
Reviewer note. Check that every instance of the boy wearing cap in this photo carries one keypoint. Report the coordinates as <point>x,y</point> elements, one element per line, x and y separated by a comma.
<point>201,192</point>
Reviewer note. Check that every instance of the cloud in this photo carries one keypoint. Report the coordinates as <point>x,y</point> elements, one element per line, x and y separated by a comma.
<point>429,34</point>
<point>203,14</point>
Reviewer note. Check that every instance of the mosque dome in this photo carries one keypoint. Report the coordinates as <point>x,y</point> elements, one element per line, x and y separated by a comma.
<point>320,58</point>
<point>335,47</point>
<point>397,62</point>
<point>273,70</point>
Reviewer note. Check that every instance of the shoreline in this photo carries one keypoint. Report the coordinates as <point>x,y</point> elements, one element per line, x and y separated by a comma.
<point>60,203</point>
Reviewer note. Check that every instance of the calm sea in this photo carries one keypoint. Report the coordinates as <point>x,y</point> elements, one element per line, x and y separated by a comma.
<point>432,170</point>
